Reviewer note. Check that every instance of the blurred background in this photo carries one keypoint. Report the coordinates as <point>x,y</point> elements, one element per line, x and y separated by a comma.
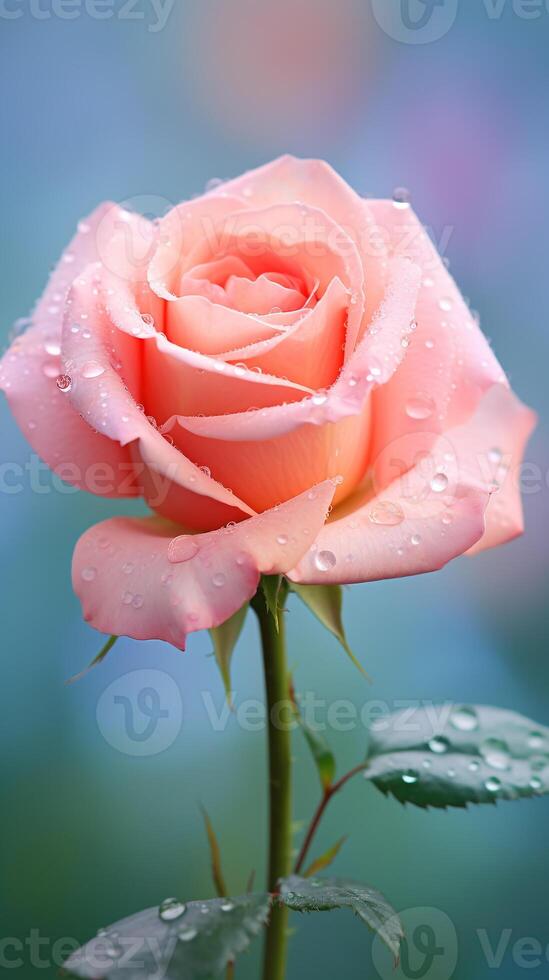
<point>150,101</point>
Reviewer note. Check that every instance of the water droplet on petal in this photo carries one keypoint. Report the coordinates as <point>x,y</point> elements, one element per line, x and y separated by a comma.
<point>445,304</point>
<point>495,455</point>
<point>536,741</point>
<point>401,197</point>
<point>219,580</point>
<point>282,539</point>
<point>137,601</point>
<point>92,369</point>
<point>420,407</point>
<point>416,540</point>
<point>88,574</point>
<point>492,784</point>
<point>474,766</point>
<point>227,907</point>
<point>171,909</point>
<point>325,560</point>
<point>64,382</point>
<point>387,513</point>
<point>128,568</point>
<point>185,935</point>
<point>535,783</point>
<point>439,483</point>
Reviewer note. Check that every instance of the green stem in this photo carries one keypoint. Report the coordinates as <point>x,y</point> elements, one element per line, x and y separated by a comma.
<point>279,723</point>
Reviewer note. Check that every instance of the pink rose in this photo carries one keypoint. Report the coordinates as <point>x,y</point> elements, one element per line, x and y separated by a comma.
<point>289,376</point>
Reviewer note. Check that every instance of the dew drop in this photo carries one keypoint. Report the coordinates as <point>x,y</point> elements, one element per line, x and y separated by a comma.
<point>420,407</point>
<point>492,784</point>
<point>464,719</point>
<point>319,399</point>
<point>137,601</point>
<point>219,580</point>
<point>535,783</point>
<point>88,574</point>
<point>186,549</point>
<point>185,935</point>
<point>325,560</point>
<point>416,540</point>
<point>445,304</point>
<point>536,741</point>
<point>439,483</point>
<point>495,753</point>
<point>127,598</point>
<point>92,369</point>
<point>439,745</point>
<point>410,777</point>
<point>282,539</point>
<point>401,197</point>
<point>128,568</point>
<point>171,909</point>
<point>474,766</point>
<point>386,513</point>
<point>495,455</point>
<point>64,382</point>
<point>227,907</point>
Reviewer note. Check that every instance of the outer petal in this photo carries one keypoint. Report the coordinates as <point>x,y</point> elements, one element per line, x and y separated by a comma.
<point>171,484</point>
<point>133,578</point>
<point>449,365</point>
<point>28,373</point>
<point>503,426</point>
<point>433,513</point>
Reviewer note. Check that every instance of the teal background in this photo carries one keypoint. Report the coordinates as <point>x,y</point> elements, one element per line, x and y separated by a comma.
<point>98,109</point>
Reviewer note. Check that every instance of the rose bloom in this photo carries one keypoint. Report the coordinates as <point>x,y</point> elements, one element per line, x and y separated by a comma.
<point>288,375</point>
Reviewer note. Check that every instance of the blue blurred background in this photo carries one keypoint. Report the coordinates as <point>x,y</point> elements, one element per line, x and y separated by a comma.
<point>151,105</point>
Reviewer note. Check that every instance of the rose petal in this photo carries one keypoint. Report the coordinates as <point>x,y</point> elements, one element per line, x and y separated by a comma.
<point>310,351</point>
<point>170,483</point>
<point>126,579</point>
<point>373,363</point>
<point>434,512</point>
<point>28,374</point>
<point>449,364</point>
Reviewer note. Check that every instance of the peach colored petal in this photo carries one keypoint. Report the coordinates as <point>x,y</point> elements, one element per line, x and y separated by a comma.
<point>292,239</point>
<point>435,511</point>
<point>503,426</point>
<point>449,364</point>
<point>196,323</point>
<point>134,579</point>
<point>262,295</point>
<point>171,484</point>
<point>28,373</point>
<point>178,233</point>
<point>309,352</point>
<point>373,363</point>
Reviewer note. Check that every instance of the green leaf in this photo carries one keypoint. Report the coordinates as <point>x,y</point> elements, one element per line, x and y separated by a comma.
<point>96,660</point>
<point>325,859</point>
<point>197,945</point>
<point>225,638</point>
<point>452,756</point>
<point>215,853</point>
<point>324,894</point>
<point>320,750</point>
<point>326,602</point>
<point>271,586</point>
